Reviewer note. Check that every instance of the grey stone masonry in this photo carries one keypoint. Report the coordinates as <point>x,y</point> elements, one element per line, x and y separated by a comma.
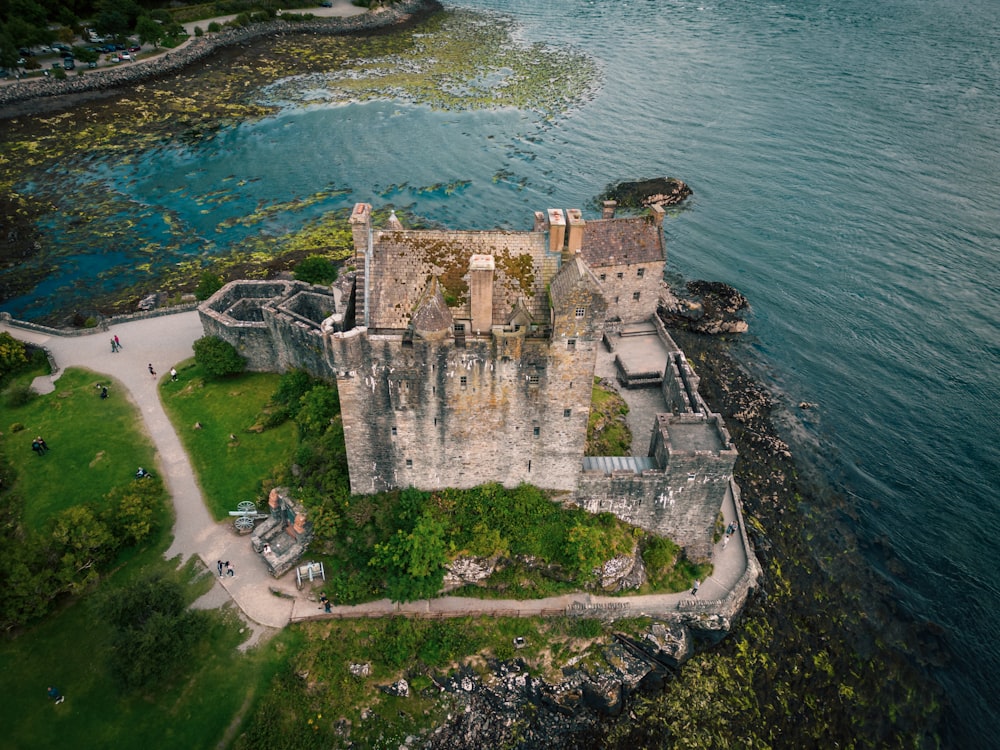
<point>463,358</point>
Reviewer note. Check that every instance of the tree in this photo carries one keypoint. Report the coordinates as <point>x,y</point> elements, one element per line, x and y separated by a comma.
<point>218,358</point>
<point>316,269</point>
<point>317,410</point>
<point>151,32</point>
<point>116,17</point>
<point>208,285</point>
<point>83,541</point>
<point>13,355</point>
<point>413,562</point>
<point>153,630</point>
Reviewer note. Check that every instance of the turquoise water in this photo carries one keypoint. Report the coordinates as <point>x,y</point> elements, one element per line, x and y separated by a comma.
<point>845,162</point>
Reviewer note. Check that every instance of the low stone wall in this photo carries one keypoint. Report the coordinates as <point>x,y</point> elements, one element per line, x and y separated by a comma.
<point>127,74</point>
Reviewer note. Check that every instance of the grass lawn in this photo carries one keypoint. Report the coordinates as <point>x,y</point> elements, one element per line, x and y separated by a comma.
<point>229,470</point>
<point>69,651</point>
<point>94,444</point>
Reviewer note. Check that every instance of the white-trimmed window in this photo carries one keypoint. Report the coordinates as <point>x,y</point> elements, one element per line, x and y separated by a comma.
<point>581,312</point>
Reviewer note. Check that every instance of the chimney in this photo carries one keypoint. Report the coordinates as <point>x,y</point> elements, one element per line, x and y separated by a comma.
<point>608,209</point>
<point>481,293</point>
<point>539,222</point>
<point>361,221</point>
<point>557,230</point>
<point>658,213</point>
<point>576,226</point>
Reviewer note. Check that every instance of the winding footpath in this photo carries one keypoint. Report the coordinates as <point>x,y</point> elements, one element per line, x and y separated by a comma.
<point>268,603</point>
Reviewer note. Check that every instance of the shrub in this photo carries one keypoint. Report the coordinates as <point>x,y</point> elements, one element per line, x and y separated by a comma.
<point>17,395</point>
<point>208,285</point>
<point>218,358</point>
<point>13,354</point>
<point>198,31</point>
<point>214,27</point>
<point>316,269</point>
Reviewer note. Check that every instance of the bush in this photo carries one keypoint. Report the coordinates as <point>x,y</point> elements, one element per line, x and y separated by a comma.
<point>208,285</point>
<point>153,630</point>
<point>198,31</point>
<point>316,269</point>
<point>214,27</point>
<point>218,358</point>
<point>13,354</point>
<point>17,395</point>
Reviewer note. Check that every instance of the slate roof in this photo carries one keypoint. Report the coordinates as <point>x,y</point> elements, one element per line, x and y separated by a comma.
<point>624,241</point>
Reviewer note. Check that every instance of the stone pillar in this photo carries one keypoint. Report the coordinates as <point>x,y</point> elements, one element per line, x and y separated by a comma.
<point>608,209</point>
<point>557,230</point>
<point>658,213</point>
<point>481,268</point>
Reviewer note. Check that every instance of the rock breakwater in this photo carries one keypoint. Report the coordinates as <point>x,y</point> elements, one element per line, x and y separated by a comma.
<point>27,96</point>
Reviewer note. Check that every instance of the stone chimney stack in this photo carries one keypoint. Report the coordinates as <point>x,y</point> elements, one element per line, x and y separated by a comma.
<point>657,212</point>
<point>361,222</point>
<point>481,269</point>
<point>557,230</point>
<point>608,209</point>
<point>576,226</point>
<point>540,225</point>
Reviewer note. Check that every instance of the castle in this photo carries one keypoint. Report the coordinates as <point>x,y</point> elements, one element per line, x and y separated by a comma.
<point>466,357</point>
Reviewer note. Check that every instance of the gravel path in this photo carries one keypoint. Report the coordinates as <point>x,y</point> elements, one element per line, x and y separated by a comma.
<point>267,603</point>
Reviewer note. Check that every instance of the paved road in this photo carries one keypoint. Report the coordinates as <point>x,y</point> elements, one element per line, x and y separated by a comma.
<point>267,603</point>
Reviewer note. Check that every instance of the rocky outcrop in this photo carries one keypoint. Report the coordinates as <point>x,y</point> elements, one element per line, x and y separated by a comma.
<point>709,307</point>
<point>491,707</point>
<point>656,191</point>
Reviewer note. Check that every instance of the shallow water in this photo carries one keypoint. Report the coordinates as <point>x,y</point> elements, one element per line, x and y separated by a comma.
<point>844,162</point>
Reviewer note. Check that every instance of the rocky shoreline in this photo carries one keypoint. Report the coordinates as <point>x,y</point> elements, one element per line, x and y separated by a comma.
<point>45,94</point>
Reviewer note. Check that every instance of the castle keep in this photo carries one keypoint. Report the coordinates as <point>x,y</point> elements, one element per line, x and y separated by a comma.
<point>466,357</point>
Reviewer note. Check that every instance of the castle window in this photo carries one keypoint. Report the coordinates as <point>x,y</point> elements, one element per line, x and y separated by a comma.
<point>567,413</point>
<point>616,300</point>
<point>537,431</point>
<point>603,276</point>
<point>641,272</point>
<point>435,421</point>
<point>463,381</point>
<point>581,311</point>
<point>533,380</point>
<point>621,275</point>
<point>409,463</point>
<point>571,344</point>
<point>394,432</point>
<point>635,296</point>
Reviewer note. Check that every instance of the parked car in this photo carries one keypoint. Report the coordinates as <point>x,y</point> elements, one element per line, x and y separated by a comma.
<point>134,49</point>
<point>124,56</point>
<point>60,47</point>
<point>69,63</point>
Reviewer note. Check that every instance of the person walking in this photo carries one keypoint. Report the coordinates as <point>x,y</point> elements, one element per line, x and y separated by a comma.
<point>118,343</point>
<point>221,566</point>
<point>229,570</point>
<point>173,373</point>
<point>151,370</point>
<point>114,346</point>
<point>694,588</point>
<point>55,695</point>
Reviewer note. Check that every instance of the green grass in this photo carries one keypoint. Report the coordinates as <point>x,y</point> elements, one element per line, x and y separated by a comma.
<point>94,444</point>
<point>69,650</point>
<point>607,431</point>
<point>229,471</point>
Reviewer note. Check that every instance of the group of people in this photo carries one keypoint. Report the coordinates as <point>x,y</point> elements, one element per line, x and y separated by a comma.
<point>116,345</point>
<point>39,446</point>
<point>225,567</point>
<point>730,530</point>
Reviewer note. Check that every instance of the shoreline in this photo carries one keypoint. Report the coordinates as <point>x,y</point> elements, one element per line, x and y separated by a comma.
<point>27,97</point>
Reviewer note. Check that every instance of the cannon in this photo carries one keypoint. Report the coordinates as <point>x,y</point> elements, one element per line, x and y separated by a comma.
<point>246,514</point>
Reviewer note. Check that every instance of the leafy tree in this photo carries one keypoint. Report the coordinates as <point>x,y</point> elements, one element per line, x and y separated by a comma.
<point>132,517</point>
<point>151,32</point>
<point>83,541</point>
<point>209,283</point>
<point>316,269</point>
<point>218,358</point>
<point>13,354</point>
<point>116,17</point>
<point>85,54</point>
<point>318,409</point>
<point>153,631</point>
<point>413,562</point>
